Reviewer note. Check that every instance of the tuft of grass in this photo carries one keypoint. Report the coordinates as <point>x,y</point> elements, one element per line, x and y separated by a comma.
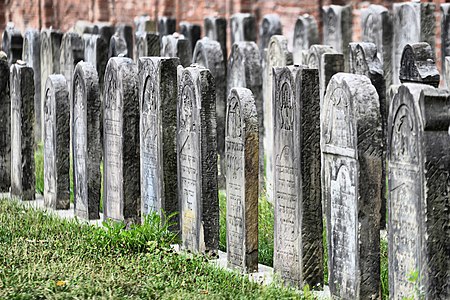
<point>39,168</point>
<point>384,268</point>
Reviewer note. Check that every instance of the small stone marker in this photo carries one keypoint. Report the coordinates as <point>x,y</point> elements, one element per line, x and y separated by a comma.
<point>158,130</point>
<point>192,32</point>
<point>22,132</point>
<point>121,179</point>
<point>96,53</point>
<point>242,169</point>
<point>5,126</point>
<point>306,34</point>
<point>86,147</point>
<point>417,65</point>
<point>216,29</point>
<point>243,28</point>
<point>351,145</point>
<point>197,160</point>
<point>56,143</point>
<point>147,44</point>
<point>270,26</point>
<point>166,25</point>
<point>177,46</point>
<point>12,44</point>
<point>298,254</point>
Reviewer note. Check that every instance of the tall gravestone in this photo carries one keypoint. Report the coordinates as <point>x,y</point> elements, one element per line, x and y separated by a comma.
<point>216,29</point>
<point>96,53</point>
<point>23,179</point>
<point>5,126</point>
<point>56,143</point>
<point>197,160</point>
<point>298,253</point>
<point>192,32</point>
<point>277,55</point>
<point>351,145</point>
<point>377,27</point>
<point>166,25</point>
<point>445,38</point>
<point>158,131</point>
<point>126,33</point>
<point>106,30</point>
<point>12,44</point>
<point>86,147</point>
<point>413,22</point>
<point>242,146</point>
<point>121,184</point>
<point>147,44</point>
<point>243,28</point>
<point>270,25</point>
<point>306,34</point>
<point>31,55</point>
<point>177,46</point>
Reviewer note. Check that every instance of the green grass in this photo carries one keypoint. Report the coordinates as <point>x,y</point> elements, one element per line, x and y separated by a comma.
<point>39,168</point>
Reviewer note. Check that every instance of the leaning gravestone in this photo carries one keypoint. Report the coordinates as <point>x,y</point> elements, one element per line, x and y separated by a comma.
<point>243,28</point>
<point>306,34</point>
<point>166,25</point>
<point>197,160</point>
<point>12,44</point>
<point>298,254</point>
<point>177,46</point>
<point>86,147</point>
<point>147,44</point>
<point>96,53</point>
<point>56,143</point>
<point>22,132</point>
<point>351,145</point>
<point>31,55</point>
<point>216,29</point>
<point>192,32</point>
<point>270,25</point>
<point>158,130</point>
<point>121,184</point>
<point>242,146</point>
<point>5,126</point>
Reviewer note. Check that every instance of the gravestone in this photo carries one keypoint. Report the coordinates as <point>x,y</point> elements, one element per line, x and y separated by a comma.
<point>126,32</point>
<point>447,71</point>
<point>377,27</point>
<point>306,34</point>
<point>56,143</point>
<point>118,47</point>
<point>197,160</point>
<point>12,44</point>
<point>82,26</point>
<point>86,147</point>
<point>413,22</point>
<point>337,28</point>
<point>147,44</point>
<point>23,179</point>
<point>243,28</point>
<point>270,25</point>
<point>166,25</point>
<point>208,54</point>
<point>144,24</point>
<point>445,39</point>
<point>192,32</point>
<point>121,184</point>
<point>177,46</point>
<point>417,65</point>
<point>277,55</point>
<point>106,30</point>
<point>298,254</point>
<point>5,126</point>
<point>351,145</point>
<point>158,130</point>
<point>216,29</point>
<point>242,166</point>
<point>96,53</point>
<point>31,55</point>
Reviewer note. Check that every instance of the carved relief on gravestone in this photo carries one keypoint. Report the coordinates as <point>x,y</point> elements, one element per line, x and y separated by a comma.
<point>5,127</point>
<point>216,29</point>
<point>417,65</point>
<point>306,34</point>
<point>243,28</point>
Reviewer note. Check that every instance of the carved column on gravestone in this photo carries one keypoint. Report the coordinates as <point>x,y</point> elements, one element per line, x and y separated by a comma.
<point>197,160</point>
<point>166,26</point>
<point>306,34</point>
<point>242,28</point>
<point>192,32</point>
<point>23,179</point>
<point>56,143</point>
<point>298,254</point>
<point>12,44</point>
<point>86,147</point>
<point>270,25</point>
<point>216,29</point>
<point>147,44</point>
<point>5,127</point>
<point>177,46</point>
<point>121,173</point>
<point>351,145</point>
<point>242,169</point>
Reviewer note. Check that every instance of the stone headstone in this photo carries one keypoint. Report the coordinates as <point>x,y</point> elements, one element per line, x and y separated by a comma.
<point>306,34</point>
<point>5,127</point>
<point>158,131</point>
<point>144,24</point>
<point>106,30</point>
<point>118,47</point>
<point>242,169</point>
<point>192,32</point>
<point>197,160</point>
<point>447,71</point>
<point>377,28</point>
<point>82,26</point>
<point>166,25</point>
<point>417,65</point>
<point>216,29</point>
<point>96,53</point>
<point>31,55</point>
<point>12,44</point>
<point>270,25</point>
<point>121,179</point>
<point>277,55</point>
<point>177,46</point>
<point>147,44</point>
<point>56,143</point>
<point>445,38</point>
<point>298,254</point>
<point>86,147</point>
<point>208,54</point>
<point>351,145</point>
<point>243,28</point>
<point>126,32</point>
<point>413,22</point>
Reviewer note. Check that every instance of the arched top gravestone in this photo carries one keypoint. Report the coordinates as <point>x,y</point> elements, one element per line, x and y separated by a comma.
<point>315,55</point>
<point>417,65</point>
<point>364,59</point>
<point>177,45</point>
<point>270,26</point>
<point>243,28</point>
<point>216,29</point>
<point>306,34</point>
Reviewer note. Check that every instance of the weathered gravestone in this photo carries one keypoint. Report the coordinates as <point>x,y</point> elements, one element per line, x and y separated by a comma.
<point>377,28</point>
<point>166,25</point>
<point>306,34</point>
<point>12,44</point>
<point>105,30</point>
<point>121,184</point>
<point>56,143</point>
<point>447,71</point>
<point>337,28</point>
<point>22,132</point>
<point>118,47</point>
<point>277,55</point>
<point>197,160</point>
<point>158,130</point>
<point>413,22</point>
<point>177,46</point>
<point>216,29</point>
<point>417,65</point>
<point>351,145</point>
<point>96,53</point>
<point>86,147</point>
<point>298,254</point>
<point>31,55</point>
<point>144,24</point>
<point>147,44</point>
<point>270,25</point>
<point>208,54</point>
<point>242,169</point>
<point>445,38</point>
<point>126,32</point>
<point>5,126</point>
<point>192,32</point>
<point>243,28</point>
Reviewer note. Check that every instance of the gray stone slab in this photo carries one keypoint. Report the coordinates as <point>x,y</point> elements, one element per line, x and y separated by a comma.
<point>118,47</point>
<point>5,127</point>
<point>177,46</point>
<point>96,53</point>
<point>216,29</point>
<point>144,24</point>
<point>12,44</point>
<point>166,25</point>
<point>417,65</point>
<point>192,32</point>
<point>242,28</point>
<point>125,31</point>
<point>270,25</point>
<point>147,44</point>
<point>306,34</point>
